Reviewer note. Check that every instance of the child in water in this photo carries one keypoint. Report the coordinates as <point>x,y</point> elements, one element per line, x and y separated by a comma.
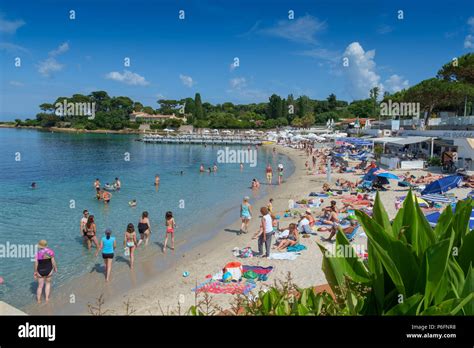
<point>170,226</point>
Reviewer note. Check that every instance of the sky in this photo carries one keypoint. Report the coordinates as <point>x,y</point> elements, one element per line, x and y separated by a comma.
<point>238,51</point>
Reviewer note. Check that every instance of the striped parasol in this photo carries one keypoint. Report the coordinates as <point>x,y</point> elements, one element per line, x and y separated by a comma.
<point>436,198</point>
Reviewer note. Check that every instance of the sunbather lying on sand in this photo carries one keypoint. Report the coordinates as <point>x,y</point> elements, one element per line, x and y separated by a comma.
<point>348,230</point>
<point>292,238</point>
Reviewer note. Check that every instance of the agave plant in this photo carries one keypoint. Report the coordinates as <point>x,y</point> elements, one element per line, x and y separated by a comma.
<point>412,269</point>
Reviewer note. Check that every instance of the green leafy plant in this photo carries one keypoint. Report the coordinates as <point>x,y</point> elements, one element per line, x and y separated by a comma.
<point>434,162</point>
<point>412,269</point>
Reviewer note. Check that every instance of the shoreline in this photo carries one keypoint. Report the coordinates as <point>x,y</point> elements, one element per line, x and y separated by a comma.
<point>151,267</point>
<point>73,130</point>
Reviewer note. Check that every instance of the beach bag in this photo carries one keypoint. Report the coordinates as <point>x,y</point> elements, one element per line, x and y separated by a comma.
<point>235,269</point>
<point>250,275</point>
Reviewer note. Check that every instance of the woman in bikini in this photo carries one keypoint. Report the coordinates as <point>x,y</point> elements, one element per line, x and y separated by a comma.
<point>45,265</point>
<point>170,226</point>
<point>90,232</point>
<point>130,242</point>
<point>291,240</point>
<point>144,228</point>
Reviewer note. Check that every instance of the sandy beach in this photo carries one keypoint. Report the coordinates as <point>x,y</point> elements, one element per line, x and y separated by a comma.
<point>157,285</point>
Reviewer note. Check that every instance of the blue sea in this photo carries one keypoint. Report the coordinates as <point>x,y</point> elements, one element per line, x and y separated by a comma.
<point>64,167</point>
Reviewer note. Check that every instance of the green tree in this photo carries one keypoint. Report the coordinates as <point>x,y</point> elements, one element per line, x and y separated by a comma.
<point>374,94</point>
<point>198,110</point>
<point>290,101</point>
<point>274,107</point>
<point>460,69</point>
<point>332,102</point>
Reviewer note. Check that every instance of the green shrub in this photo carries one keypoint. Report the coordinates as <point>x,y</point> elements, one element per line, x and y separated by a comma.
<point>434,162</point>
<point>412,269</point>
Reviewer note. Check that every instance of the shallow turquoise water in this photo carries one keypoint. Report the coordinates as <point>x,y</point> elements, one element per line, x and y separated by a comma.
<point>64,166</point>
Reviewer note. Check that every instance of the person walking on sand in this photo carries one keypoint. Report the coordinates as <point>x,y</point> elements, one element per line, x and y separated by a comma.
<point>144,228</point>
<point>130,242</point>
<point>45,265</point>
<point>245,215</point>
<point>266,232</point>
<point>170,226</point>
<point>90,231</point>
<point>107,245</point>
<point>280,174</point>
<point>269,172</point>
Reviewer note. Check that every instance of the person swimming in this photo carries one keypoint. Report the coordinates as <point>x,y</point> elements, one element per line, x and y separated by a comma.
<point>201,169</point>
<point>157,180</point>
<point>106,196</point>
<point>117,184</point>
<point>97,185</point>
<point>133,203</point>
<point>214,168</point>
<point>33,185</point>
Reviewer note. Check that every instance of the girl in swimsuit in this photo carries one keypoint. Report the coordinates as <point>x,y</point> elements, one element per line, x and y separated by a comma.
<point>130,241</point>
<point>90,232</point>
<point>144,228</point>
<point>45,265</point>
<point>170,226</point>
<point>245,215</point>
<point>107,245</point>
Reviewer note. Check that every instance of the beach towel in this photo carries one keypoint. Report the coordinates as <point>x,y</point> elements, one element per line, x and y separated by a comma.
<point>258,269</point>
<point>284,256</point>
<point>296,248</point>
<point>218,287</point>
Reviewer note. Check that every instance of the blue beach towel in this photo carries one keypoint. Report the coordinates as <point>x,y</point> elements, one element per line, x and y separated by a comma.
<point>296,248</point>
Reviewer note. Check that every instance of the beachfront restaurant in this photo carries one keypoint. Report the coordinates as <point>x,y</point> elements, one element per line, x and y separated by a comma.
<point>405,152</point>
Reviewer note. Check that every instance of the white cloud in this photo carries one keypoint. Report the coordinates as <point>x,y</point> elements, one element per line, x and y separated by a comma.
<point>469,41</point>
<point>10,27</point>
<point>187,80</point>
<point>127,77</point>
<point>303,29</point>
<point>64,47</point>
<point>16,83</point>
<point>395,83</point>
<point>470,22</point>
<point>238,83</point>
<point>321,53</point>
<point>49,66</point>
<point>238,88</point>
<point>12,48</point>
<point>384,29</point>
<point>360,73</point>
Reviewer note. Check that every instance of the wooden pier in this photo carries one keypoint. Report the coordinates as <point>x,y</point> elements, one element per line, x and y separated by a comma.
<point>202,139</point>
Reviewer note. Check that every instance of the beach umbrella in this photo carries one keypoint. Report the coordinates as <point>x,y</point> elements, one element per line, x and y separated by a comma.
<point>443,185</point>
<point>384,174</point>
<point>434,217</point>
